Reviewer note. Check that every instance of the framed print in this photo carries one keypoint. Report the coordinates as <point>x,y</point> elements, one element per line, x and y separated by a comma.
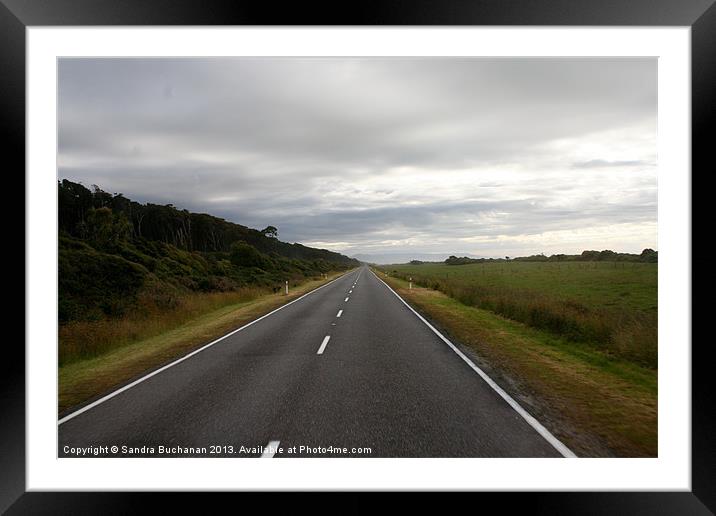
<point>416,248</point>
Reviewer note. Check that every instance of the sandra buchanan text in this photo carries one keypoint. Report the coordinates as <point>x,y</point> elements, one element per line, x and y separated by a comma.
<point>129,450</point>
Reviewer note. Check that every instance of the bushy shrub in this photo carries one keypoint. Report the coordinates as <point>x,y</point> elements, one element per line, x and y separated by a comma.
<point>245,255</point>
<point>93,284</point>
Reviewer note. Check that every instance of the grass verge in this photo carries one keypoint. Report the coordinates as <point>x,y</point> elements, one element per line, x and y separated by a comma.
<point>596,404</point>
<point>82,380</point>
<point>81,340</point>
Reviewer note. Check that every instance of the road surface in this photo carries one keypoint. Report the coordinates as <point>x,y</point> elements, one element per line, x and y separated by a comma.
<point>348,370</point>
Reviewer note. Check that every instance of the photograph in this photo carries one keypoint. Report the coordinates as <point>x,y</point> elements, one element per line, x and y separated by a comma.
<point>407,247</point>
<point>357,257</point>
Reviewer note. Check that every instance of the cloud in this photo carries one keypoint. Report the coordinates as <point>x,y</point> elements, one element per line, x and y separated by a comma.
<point>367,153</point>
<point>602,163</point>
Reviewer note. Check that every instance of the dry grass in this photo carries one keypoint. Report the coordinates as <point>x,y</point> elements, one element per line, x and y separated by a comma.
<point>596,404</point>
<point>86,339</point>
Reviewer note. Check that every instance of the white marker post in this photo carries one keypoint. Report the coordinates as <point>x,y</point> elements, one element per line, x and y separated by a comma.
<point>286,287</point>
<point>410,285</point>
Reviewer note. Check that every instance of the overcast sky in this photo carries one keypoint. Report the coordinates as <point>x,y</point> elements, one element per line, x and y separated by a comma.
<point>375,156</point>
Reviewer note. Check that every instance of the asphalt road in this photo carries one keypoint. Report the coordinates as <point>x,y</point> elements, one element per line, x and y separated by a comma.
<point>383,385</point>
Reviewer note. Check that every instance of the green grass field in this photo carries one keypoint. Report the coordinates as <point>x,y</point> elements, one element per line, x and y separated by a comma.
<point>609,306</point>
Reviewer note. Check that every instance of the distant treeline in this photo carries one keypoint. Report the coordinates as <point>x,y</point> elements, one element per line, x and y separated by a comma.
<point>646,256</point>
<point>118,255</point>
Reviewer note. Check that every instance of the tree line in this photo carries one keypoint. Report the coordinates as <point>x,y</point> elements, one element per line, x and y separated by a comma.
<point>104,218</point>
<point>646,256</point>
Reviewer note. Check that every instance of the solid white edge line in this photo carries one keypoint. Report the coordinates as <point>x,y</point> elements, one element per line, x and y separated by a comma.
<point>188,355</point>
<point>270,449</point>
<point>339,313</point>
<point>323,344</point>
<point>546,434</point>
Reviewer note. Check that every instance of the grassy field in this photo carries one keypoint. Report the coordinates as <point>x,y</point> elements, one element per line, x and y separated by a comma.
<point>611,307</point>
<point>597,403</point>
<point>98,356</point>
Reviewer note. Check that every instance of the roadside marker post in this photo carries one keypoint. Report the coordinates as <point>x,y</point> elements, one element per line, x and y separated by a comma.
<point>286,287</point>
<point>410,286</point>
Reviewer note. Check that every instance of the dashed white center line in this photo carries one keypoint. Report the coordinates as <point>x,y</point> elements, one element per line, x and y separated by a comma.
<point>339,313</point>
<point>345,300</point>
<point>270,449</point>
<point>323,344</point>
<point>350,291</point>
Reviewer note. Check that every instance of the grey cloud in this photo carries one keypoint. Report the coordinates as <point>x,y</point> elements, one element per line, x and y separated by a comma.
<point>271,140</point>
<point>448,220</point>
<point>381,112</point>
<point>602,163</point>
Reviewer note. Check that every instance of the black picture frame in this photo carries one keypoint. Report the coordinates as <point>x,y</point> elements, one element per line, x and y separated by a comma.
<point>700,15</point>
